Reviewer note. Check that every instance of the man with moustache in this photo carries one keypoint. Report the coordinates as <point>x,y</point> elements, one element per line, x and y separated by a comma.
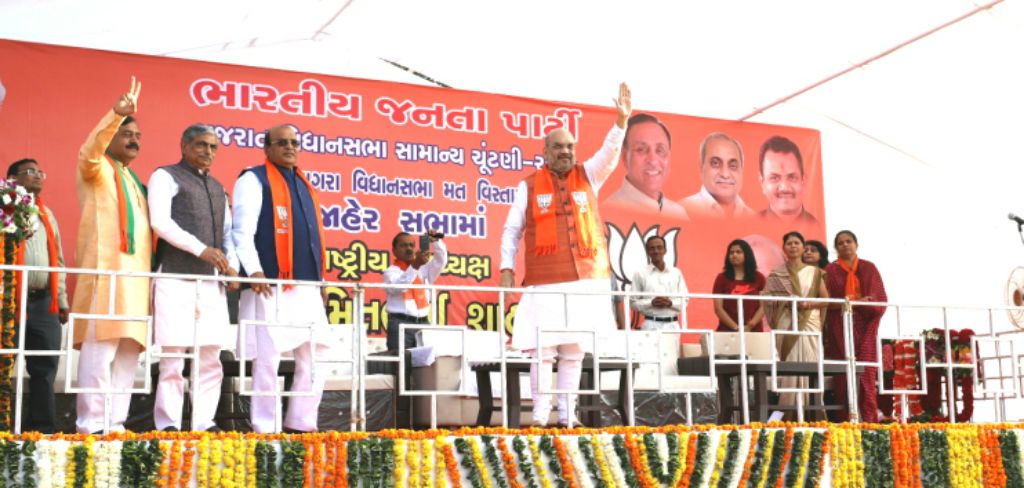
<point>279,234</point>
<point>189,212</point>
<point>113,234</point>
<point>46,307</point>
<point>782,182</point>
<point>411,266</point>
<point>721,173</point>
<point>647,156</point>
<point>660,312</point>
<point>555,213</point>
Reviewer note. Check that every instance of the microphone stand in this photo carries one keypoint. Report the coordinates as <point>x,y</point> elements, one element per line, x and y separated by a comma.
<point>1020,231</point>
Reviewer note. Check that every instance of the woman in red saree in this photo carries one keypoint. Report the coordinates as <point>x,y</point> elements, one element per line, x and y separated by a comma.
<point>855,279</point>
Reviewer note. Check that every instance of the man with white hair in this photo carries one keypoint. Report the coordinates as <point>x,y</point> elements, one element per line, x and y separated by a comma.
<point>189,212</point>
<point>721,174</point>
<point>555,214</point>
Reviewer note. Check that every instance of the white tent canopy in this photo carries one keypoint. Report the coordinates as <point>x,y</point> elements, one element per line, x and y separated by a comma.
<point>917,145</point>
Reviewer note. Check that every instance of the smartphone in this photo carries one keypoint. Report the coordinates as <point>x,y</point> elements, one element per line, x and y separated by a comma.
<point>425,243</point>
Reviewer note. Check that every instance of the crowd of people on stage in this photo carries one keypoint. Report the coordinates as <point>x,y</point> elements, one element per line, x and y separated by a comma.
<point>183,223</point>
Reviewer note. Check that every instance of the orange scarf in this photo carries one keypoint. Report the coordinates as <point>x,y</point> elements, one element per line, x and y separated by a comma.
<point>281,198</point>
<point>51,251</point>
<point>852,282</point>
<point>417,296</point>
<point>582,209</point>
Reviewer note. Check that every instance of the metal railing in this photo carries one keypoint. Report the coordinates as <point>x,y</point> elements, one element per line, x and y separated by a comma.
<point>358,355</point>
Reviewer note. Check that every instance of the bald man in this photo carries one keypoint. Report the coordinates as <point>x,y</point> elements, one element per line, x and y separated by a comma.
<point>555,212</point>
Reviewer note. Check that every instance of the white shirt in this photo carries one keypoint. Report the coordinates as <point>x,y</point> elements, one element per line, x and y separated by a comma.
<point>668,282</point>
<point>428,273</point>
<point>161,191</point>
<point>703,204</point>
<point>629,197</point>
<point>598,168</point>
<point>248,200</point>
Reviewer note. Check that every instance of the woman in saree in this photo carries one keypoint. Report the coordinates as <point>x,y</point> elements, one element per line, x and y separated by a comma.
<point>796,279</point>
<point>856,280</point>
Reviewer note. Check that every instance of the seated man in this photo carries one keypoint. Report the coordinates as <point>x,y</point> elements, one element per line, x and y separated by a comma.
<point>411,266</point>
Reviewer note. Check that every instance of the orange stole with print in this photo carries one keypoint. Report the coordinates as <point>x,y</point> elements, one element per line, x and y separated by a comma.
<point>567,263</point>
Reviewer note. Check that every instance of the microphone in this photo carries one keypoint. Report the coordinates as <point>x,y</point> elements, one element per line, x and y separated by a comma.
<point>1015,218</point>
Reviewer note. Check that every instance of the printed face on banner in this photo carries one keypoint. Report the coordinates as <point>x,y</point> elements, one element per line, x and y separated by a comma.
<point>783,183</point>
<point>721,170</point>
<point>648,158</point>
<point>560,151</point>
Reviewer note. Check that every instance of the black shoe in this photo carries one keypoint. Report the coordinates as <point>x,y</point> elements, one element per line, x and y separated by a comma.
<point>214,430</point>
<point>287,430</point>
<point>171,428</point>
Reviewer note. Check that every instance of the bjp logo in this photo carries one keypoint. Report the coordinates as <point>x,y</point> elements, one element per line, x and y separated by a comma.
<point>628,253</point>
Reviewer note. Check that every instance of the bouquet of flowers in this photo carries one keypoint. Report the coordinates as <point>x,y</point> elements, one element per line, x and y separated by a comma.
<point>19,208</point>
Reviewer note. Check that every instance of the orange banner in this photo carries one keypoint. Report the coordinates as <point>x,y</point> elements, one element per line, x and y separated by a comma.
<point>389,157</point>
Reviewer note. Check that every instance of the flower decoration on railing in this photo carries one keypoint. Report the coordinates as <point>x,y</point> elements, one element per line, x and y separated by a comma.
<point>628,253</point>
<point>17,221</point>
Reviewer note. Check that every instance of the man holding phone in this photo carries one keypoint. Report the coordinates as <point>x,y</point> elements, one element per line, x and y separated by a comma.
<point>415,265</point>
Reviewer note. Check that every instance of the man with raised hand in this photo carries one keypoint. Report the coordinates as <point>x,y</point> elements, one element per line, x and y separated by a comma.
<point>113,234</point>
<point>555,212</point>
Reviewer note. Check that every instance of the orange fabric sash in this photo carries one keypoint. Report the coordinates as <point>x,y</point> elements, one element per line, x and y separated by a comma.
<point>582,209</point>
<point>416,295</point>
<point>281,198</point>
<point>51,251</point>
<point>853,291</point>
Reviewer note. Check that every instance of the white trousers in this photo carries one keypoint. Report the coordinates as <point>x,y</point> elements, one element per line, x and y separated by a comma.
<point>570,368</point>
<point>302,410</point>
<point>105,364</point>
<point>170,391</point>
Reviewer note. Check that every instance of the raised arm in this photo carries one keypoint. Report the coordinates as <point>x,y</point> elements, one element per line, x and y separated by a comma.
<point>91,153</point>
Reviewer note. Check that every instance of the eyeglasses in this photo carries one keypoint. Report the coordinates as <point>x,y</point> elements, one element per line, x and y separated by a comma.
<point>283,143</point>
<point>33,173</point>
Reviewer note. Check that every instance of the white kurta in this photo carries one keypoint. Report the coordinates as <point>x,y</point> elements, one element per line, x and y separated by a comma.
<point>548,311</point>
<point>178,304</point>
<point>299,305</point>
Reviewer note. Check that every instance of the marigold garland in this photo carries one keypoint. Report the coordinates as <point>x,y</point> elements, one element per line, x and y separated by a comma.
<point>681,456</point>
<point>563,459</point>
<point>451,465</point>
<point>691,456</point>
<point>756,447</point>
<point>538,463</point>
<point>508,462</point>
<point>719,459</point>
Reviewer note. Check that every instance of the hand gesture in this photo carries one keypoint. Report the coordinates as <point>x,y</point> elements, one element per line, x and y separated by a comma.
<point>232,285</point>
<point>624,104</point>
<point>128,103</point>
<point>507,279</point>
<point>261,288</point>
<point>215,257</point>
<point>661,302</point>
<point>421,259</point>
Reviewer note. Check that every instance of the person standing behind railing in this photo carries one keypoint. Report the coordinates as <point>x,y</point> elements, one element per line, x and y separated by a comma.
<point>279,233</point>
<point>739,276</point>
<point>659,312</point>
<point>855,279</point>
<point>411,266</point>
<point>113,234</point>
<point>189,212</point>
<point>555,213</point>
<point>795,279</point>
<point>46,304</point>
